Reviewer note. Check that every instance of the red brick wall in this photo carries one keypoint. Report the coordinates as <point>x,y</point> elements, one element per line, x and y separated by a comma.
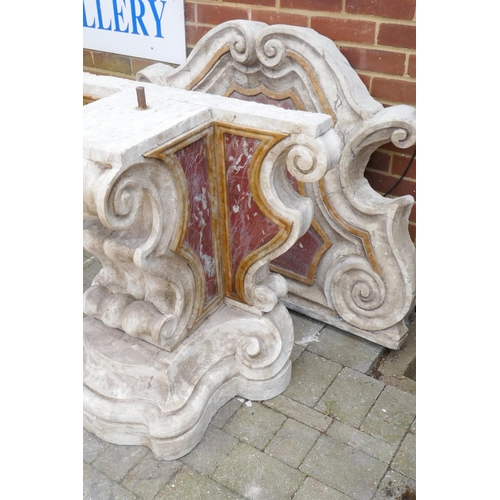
<point>376,36</point>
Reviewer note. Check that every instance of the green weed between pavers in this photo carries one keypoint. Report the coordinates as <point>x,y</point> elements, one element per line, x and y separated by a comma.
<point>329,408</point>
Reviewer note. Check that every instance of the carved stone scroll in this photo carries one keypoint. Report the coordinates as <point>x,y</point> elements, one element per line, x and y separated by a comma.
<point>185,204</point>
<point>355,266</point>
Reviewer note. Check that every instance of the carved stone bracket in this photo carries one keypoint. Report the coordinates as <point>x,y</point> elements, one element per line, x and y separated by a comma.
<point>186,203</point>
<point>355,266</point>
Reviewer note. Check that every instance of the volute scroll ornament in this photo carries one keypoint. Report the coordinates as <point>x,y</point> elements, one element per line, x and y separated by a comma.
<point>376,286</point>
<point>297,68</point>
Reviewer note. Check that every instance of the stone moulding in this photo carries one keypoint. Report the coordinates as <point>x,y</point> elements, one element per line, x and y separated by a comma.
<point>185,204</point>
<point>355,266</point>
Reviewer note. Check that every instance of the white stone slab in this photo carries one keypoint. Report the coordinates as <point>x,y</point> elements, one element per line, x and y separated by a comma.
<point>128,132</point>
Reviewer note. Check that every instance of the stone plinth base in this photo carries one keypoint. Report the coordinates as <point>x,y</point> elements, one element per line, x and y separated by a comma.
<point>138,394</point>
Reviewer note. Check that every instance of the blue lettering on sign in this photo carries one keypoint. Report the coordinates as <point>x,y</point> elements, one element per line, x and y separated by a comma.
<point>138,18</point>
<point>117,14</point>
<point>85,22</point>
<point>99,16</point>
<point>155,14</point>
<point>137,12</point>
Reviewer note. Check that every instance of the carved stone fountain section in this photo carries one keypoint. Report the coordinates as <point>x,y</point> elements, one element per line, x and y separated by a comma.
<point>186,203</point>
<point>355,266</point>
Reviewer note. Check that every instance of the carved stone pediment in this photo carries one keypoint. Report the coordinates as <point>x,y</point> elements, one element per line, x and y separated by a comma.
<point>355,266</point>
<point>185,204</point>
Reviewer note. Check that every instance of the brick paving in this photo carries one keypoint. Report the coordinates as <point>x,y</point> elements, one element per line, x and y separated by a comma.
<point>336,433</point>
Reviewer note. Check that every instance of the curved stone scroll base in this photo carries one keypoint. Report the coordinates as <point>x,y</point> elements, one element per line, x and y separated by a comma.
<point>136,393</point>
<point>393,337</point>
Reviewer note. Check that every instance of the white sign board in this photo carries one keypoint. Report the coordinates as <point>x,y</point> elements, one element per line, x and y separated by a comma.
<point>151,29</point>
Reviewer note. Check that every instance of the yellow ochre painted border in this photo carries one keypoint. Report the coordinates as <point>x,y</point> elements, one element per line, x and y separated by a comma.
<point>268,140</point>
<point>166,153</point>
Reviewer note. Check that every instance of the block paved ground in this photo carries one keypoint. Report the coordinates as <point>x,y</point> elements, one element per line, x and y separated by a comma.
<point>340,431</point>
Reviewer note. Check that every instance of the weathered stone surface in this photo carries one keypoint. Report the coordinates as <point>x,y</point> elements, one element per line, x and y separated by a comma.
<point>344,348</point>
<point>255,424</point>
<point>395,485</point>
<point>311,376</point>
<point>313,489</point>
<point>184,314</point>
<point>370,445</point>
<point>306,329</point>
<point>413,427</point>
<point>253,474</point>
<point>190,484</point>
<point>212,450</point>
<point>92,446</point>
<point>292,442</point>
<point>308,416</point>
<point>149,476</point>
<point>391,415</point>
<point>98,486</point>
<point>350,397</point>
<point>405,459</point>
<point>117,461</point>
<point>395,368</point>
<point>299,412</point>
<point>226,412</point>
<point>296,352</point>
<point>344,468</point>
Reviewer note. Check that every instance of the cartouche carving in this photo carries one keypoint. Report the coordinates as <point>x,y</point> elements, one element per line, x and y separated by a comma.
<point>296,67</point>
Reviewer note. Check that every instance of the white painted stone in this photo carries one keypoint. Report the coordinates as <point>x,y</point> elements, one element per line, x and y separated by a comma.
<point>124,139</point>
<point>235,112</point>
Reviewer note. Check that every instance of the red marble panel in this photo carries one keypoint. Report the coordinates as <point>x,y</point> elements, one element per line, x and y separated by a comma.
<point>299,259</point>
<point>249,228</point>
<point>301,256</point>
<point>285,103</point>
<point>199,236</point>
